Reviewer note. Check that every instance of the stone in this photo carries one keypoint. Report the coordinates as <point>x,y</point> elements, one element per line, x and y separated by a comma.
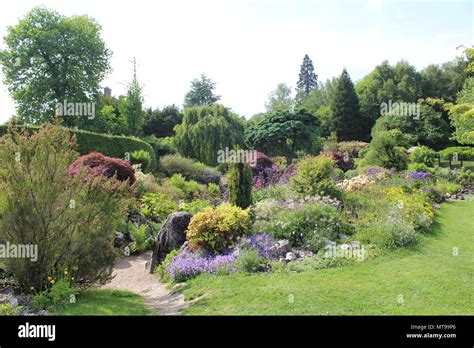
<point>280,248</point>
<point>290,256</point>
<point>119,240</point>
<point>171,237</point>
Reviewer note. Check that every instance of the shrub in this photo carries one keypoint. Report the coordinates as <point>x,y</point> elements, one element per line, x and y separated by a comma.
<point>142,240</point>
<point>72,221</point>
<point>314,177</point>
<point>98,164</point>
<point>351,174</point>
<point>110,145</point>
<point>190,169</point>
<point>352,147</point>
<point>342,160</point>
<point>215,229</point>
<point>466,153</point>
<point>387,150</point>
<point>161,146</point>
<point>419,167</point>
<point>248,261</point>
<point>61,295</point>
<point>156,206</point>
<point>7,309</point>
<point>262,162</point>
<point>191,188</point>
<point>423,155</point>
<point>195,206</point>
<point>240,185</point>
<point>213,190</point>
<point>306,225</point>
<point>141,157</point>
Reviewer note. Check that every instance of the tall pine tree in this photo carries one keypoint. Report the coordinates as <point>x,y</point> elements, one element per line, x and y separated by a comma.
<point>345,110</point>
<point>131,107</point>
<point>308,80</point>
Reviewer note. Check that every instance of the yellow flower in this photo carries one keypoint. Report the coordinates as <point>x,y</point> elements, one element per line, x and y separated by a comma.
<point>66,273</point>
<point>52,281</point>
<point>49,279</point>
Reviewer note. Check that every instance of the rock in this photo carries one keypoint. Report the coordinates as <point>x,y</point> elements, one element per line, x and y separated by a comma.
<point>281,248</point>
<point>119,240</point>
<point>283,260</point>
<point>343,236</point>
<point>171,237</point>
<point>290,256</point>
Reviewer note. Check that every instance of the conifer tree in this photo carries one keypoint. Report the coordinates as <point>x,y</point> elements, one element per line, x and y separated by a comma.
<point>308,80</point>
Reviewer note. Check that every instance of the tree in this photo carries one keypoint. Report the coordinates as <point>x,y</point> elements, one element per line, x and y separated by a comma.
<point>348,123</point>
<point>308,80</point>
<point>387,149</point>
<point>280,99</point>
<point>444,81</point>
<point>50,59</point>
<point>201,93</point>
<point>240,185</point>
<point>399,83</point>
<point>207,129</point>
<point>131,107</point>
<point>282,133</point>
<point>161,123</point>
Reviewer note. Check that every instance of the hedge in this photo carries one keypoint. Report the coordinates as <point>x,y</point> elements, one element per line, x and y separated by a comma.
<point>109,145</point>
<point>465,153</point>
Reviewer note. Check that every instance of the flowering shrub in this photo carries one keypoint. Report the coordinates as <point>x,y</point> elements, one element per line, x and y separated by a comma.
<point>356,183</point>
<point>188,264</point>
<point>342,160</point>
<point>215,229</point>
<point>261,242</point>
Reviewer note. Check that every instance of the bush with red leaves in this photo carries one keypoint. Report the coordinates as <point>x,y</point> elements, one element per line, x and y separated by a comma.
<point>342,160</point>
<point>98,164</point>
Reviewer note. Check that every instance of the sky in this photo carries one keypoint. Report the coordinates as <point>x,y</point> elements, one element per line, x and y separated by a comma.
<point>249,46</point>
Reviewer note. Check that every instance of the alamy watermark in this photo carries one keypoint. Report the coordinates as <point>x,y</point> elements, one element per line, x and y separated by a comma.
<point>22,251</point>
<point>400,109</point>
<point>237,156</point>
<point>346,251</point>
<point>75,109</point>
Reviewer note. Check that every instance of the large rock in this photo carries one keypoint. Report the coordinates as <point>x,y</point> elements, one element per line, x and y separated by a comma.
<point>171,237</point>
<point>280,248</point>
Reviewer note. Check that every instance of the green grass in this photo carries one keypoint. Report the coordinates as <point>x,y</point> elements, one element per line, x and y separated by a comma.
<point>456,164</point>
<point>427,276</point>
<point>106,302</point>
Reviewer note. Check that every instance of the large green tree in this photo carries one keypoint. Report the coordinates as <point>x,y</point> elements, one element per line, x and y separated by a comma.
<point>280,98</point>
<point>308,80</point>
<point>207,129</point>
<point>161,123</point>
<point>201,92</point>
<point>50,58</point>
<point>283,133</point>
<point>348,123</point>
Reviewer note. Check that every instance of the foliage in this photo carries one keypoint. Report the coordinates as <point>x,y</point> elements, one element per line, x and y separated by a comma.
<point>387,150</point>
<point>141,157</point>
<point>283,133</point>
<point>248,261</point>
<point>201,93</point>
<point>423,155</point>
<point>342,160</point>
<point>215,229</point>
<point>214,190</point>
<point>207,129</point>
<point>131,107</point>
<point>7,309</point>
<point>306,225</point>
<point>71,220</point>
<point>345,110</point>
<point>99,165</point>
<point>191,188</point>
<point>308,80</point>
<point>157,206</point>
<point>443,81</point>
<point>190,169</point>
<point>240,185</point>
<point>280,99</point>
<point>314,177</point>
<point>161,146</point>
<point>194,206</point>
<point>464,153</point>
<point>59,296</point>
<point>141,238</point>
<point>50,58</point>
<point>161,123</point>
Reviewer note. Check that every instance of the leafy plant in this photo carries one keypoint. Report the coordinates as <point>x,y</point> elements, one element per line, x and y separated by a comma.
<point>215,229</point>
<point>59,296</point>
<point>190,169</point>
<point>7,309</point>
<point>248,261</point>
<point>157,206</point>
<point>141,238</point>
<point>423,155</point>
<point>141,157</point>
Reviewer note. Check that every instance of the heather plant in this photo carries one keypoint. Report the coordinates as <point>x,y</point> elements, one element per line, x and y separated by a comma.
<point>70,219</point>
<point>215,229</point>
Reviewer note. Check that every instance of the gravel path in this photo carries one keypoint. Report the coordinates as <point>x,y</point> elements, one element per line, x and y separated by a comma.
<point>130,274</point>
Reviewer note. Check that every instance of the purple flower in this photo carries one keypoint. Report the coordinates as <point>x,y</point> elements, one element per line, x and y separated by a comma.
<point>261,242</point>
<point>419,175</point>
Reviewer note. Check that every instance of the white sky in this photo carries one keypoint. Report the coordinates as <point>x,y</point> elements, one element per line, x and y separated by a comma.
<point>247,47</point>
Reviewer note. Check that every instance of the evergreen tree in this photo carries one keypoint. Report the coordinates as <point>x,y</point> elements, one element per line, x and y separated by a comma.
<point>345,109</point>
<point>240,185</point>
<point>131,107</point>
<point>201,93</point>
<point>308,80</point>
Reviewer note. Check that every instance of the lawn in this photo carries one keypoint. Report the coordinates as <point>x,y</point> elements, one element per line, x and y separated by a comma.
<point>107,302</point>
<point>457,165</point>
<point>429,278</point>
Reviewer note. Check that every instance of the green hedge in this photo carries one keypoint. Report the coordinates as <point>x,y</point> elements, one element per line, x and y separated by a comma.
<point>465,153</point>
<point>109,145</point>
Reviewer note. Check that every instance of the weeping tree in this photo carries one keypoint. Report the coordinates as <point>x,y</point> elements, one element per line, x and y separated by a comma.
<point>207,129</point>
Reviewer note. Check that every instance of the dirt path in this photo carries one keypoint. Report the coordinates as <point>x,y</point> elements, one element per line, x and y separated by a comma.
<point>130,274</point>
